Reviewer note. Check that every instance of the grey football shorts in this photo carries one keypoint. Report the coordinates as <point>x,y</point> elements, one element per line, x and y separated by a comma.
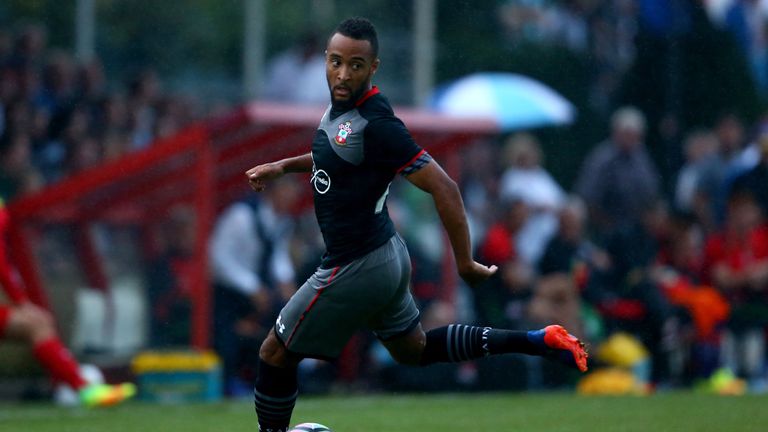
<point>372,292</point>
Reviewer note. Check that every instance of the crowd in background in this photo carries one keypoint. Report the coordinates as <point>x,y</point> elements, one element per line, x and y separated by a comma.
<point>683,268</point>
<point>59,116</point>
<point>686,272</point>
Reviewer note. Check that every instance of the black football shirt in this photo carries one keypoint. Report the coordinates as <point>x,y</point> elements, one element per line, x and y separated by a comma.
<point>356,155</point>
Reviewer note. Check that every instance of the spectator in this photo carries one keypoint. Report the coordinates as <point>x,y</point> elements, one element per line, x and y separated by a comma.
<point>526,179</point>
<point>680,270</point>
<point>556,299</point>
<point>700,148</point>
<point>746,20</point>
<point>500,301</point>
<point>613,29</point>
<point>756,179</point>
<point>570,248</point>
<point>253,275</point>
<point>479,186</point>
<point>716,179</point>
<point>618,179</point>
<point>91,84</point>
<point>297,75</point>
<point>730,132</point>
<point>692,195</point>
<point>737,259</point>
<point>575,265</point>
<point>58,83</point>
<point>17,174</point>
<point>114,114</point>
<point>82,154</point>
<point>143,96</point>
<point>169,283</point>
<point>635,302</point>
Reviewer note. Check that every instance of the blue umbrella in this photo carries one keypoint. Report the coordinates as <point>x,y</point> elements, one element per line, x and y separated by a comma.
<point>513,101</point>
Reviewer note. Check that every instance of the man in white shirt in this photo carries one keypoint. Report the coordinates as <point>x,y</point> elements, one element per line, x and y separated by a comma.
<point>253,274</point>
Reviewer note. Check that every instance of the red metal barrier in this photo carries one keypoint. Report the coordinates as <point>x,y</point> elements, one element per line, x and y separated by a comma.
<point>204,167</point>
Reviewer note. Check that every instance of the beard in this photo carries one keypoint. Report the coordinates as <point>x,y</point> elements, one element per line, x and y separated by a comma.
<point>346,105</point>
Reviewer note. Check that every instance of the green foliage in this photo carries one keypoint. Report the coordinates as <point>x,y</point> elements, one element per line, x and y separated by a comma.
<point>171,36</point>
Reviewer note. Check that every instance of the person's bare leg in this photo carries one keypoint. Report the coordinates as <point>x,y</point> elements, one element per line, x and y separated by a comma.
<point>34,325</point>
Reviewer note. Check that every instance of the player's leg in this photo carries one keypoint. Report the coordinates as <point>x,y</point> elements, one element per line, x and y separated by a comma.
<point>408,348</point>
<point>397,326</point>
<point>34,325</point>
<point>276,386</point>
<point>459,342</point>
<point>317,322</point>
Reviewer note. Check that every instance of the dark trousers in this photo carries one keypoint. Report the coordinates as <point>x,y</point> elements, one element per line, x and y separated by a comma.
<point>229,307</point>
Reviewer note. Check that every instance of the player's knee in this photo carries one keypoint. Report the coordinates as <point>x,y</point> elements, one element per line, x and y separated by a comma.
<point>274,353</point>
<point>407,350</point>
<point>31,323</point>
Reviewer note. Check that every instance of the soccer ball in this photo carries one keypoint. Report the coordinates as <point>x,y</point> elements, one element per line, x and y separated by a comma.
<point>310,427</point>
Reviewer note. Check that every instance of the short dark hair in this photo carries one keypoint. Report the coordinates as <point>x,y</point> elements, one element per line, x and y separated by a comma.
<point>361,29</point>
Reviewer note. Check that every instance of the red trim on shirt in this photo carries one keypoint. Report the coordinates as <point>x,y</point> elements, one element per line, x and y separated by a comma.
<point>418,155</point>
<point>373,91</point>
<point>312,303</point>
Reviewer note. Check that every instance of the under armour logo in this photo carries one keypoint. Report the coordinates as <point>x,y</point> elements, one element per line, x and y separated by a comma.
<point>486,348</point>
<point>280,328</point>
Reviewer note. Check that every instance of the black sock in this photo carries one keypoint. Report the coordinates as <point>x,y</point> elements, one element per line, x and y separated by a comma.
<point>275,396</point>
<point>459,342</point>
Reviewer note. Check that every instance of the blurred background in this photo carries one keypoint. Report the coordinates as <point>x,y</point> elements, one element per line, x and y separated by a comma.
<point>612,155</point>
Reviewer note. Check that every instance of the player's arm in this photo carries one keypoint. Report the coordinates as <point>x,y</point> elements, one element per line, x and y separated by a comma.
<point>450,207</point>
<point>258,175</point>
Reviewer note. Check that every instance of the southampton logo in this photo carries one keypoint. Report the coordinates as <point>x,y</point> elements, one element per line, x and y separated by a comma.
<point>344,130</point>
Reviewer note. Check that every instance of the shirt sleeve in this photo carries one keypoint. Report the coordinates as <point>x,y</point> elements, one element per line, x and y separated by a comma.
<point>394,147</point>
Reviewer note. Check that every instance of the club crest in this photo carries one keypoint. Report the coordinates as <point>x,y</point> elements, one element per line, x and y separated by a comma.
<point>344,130</point>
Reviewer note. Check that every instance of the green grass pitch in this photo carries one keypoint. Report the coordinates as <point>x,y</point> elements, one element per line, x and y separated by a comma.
<point>514,412</point>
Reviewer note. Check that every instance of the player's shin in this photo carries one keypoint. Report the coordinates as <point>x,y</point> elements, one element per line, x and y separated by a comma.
<point>275,396</point>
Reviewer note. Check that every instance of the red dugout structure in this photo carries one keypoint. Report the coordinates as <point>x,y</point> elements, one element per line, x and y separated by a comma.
<point>202,166</point>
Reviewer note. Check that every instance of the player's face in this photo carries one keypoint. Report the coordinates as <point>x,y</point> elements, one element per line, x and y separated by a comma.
<point>349,67</point>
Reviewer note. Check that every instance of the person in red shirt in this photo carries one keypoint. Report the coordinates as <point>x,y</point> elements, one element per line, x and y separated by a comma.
<point>501,300</point>
<point>737,259</point>
<point>24,321</point>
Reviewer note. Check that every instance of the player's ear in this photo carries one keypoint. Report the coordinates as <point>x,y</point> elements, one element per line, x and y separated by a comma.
<point>375,66</point>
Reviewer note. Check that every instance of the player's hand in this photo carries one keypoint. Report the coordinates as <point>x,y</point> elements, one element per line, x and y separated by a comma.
<point>473,273</point>
<point>260,174</point>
